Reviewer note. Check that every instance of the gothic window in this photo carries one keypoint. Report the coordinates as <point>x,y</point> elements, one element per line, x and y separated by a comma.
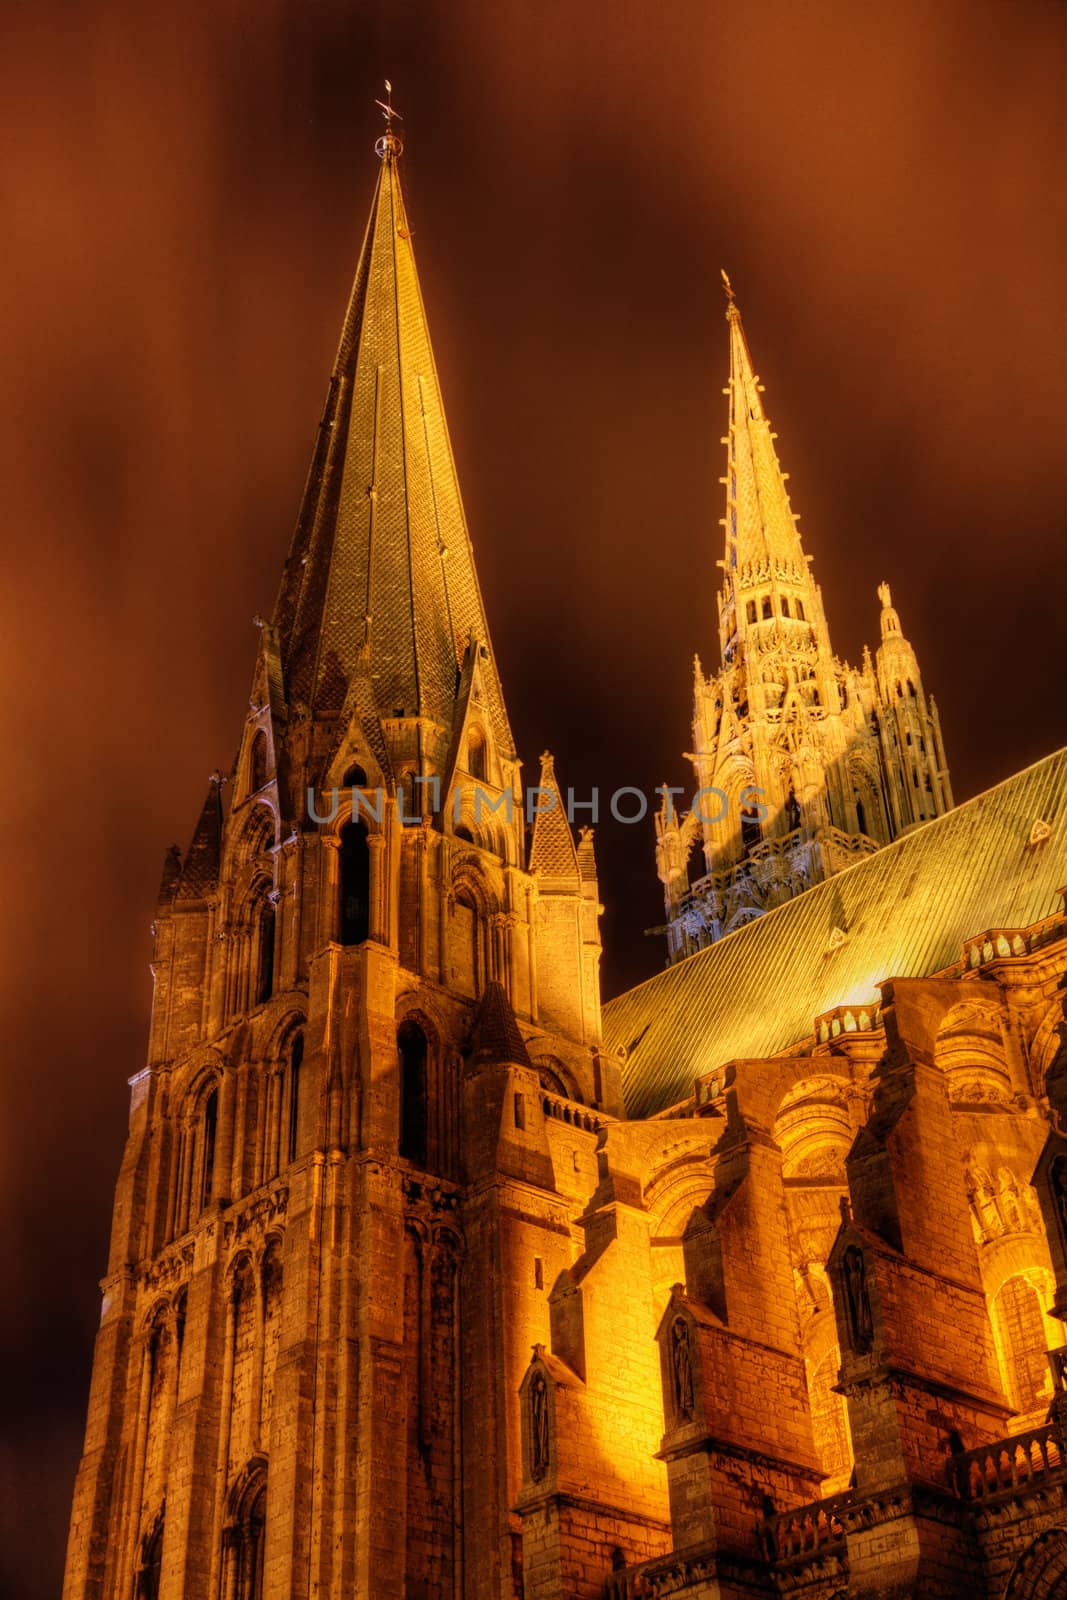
<point>257,763</point>
<point>861,817</point>
<point>785,605</point>
<point>411,1054</point>
<point>464,833</point>
<point>751,832</point>
<point>244,1541</point>
<point>465,951</point>
<point>792,811</point>
<point>296,1057</point>
<point>1021,1340</point>
<point>207,1166</point>
<point>768,609</point>
<point>750,611</point>
<point>911,689</point>
<point>264,954</point>
<point>800,610</point>
<point>355,884</point>
<point>148,1578</point>
<point>355,778</point>
<point>476,761</point>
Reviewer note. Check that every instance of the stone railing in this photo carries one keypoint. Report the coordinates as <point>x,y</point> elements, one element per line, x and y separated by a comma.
<point>1009,1464</point>
<point>999,944</point>
<point>570,1112</point>
<point>805,1530</point>
<point>847,1019</point>
<point>665,1575</point>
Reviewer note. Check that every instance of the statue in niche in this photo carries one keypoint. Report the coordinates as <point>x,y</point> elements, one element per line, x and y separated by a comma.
<point>681,1368</point>
<point>857,1300</point>
<point>538,1426</point>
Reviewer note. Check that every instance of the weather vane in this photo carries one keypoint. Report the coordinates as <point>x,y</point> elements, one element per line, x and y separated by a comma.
<point>727,285</point>
<point>390,142</point>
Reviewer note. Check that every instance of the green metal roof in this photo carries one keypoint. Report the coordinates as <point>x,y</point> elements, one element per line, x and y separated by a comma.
<point>904,911</point>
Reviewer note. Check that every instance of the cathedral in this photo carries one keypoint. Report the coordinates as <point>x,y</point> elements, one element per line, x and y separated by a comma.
<point>430,1279</point>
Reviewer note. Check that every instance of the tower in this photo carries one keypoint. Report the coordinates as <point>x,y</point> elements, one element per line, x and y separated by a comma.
<point>802,763</point>
<point>366,983</point>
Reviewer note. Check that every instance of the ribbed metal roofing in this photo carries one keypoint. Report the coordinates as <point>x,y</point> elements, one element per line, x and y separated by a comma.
<point>904,912</point>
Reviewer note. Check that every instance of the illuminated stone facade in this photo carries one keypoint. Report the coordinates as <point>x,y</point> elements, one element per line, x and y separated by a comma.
<point>802,764</point>
<point>400,1302</point>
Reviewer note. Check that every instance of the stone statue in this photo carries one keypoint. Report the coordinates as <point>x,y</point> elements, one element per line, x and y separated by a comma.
<point>857,1300</point>
<point>538,1426</point>
<point>681,1368</point>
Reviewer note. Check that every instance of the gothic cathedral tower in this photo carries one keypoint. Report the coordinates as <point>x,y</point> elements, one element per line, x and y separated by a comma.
<point>803,764</point>
<point>368,986</point>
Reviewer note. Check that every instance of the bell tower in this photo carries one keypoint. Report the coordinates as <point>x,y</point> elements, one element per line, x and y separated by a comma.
<point>366,981</point>
<point>802,764</point>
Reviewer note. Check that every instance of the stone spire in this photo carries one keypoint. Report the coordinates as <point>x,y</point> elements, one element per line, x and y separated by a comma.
<point>803,764</point>
<point>381,555</point>
<point>763,549</point>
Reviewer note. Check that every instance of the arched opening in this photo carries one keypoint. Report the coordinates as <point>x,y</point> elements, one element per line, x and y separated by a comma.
<point>476,755</point>
<point>829,1421</point>
<point>151,1568</point>
<point>751,832</point>
<point>464,949</point>
<point>800,610</point>
<point>355,884</point>
<point>265,925</point>
<point>355,778</point>
<point>750,611</point>
<point>257,763</point>
<point>768,609</point>
<point>911,689</point>
<point>861,817</point>
<point>464,833</point>
<point>785,605</point>
<point>244,1541</point>
<point>210,1131</point>
<point>1022,1340</point>
<point>411,1054</point>
<point>296,1057</point>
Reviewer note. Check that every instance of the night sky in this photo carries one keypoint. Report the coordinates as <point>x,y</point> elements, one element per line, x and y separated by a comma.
<point>184,191</point>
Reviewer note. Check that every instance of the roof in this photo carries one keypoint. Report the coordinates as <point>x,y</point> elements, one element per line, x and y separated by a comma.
<point>904,912</point>
<point>381,550</point>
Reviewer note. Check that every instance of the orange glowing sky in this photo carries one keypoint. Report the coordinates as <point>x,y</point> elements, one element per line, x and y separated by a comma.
<point>184,191</point>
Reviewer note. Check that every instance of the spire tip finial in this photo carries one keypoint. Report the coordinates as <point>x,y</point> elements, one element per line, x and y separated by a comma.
<point>390,143</point>
<point>727,285</point>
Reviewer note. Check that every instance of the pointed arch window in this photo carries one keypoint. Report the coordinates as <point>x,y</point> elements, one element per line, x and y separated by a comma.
<point>750,611</point>
<point>151,1565</point>
<point>800,611</point>
<point>257,763</point>
<point>412,1053</point>
<point>768,608</point>
<point>861,817</point>
<point>355,884</point>
<point>244,1542</point>
<point>296,1058</point>
<point>476,755</point>
<point>785,605</point>
<point>207,1163</point>
<point>751,832</point>
<point>265,926</point>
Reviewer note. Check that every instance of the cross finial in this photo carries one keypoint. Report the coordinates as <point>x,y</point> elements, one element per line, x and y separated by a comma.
<point>390,143</point>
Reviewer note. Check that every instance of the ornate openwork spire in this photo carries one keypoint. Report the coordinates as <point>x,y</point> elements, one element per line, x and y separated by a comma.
<point>761,530</point>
